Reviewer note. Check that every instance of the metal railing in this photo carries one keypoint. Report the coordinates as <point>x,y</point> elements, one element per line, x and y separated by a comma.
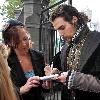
<point>50,43</point>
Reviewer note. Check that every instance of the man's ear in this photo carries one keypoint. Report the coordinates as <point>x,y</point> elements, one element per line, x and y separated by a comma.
<point>74,20</point>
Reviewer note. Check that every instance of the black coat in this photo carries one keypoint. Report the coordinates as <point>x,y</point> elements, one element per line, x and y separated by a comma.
<point>87,82</point>
<point>19,78</point>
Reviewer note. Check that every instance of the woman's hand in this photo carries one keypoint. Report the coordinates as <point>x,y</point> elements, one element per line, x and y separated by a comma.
<point>31,82</point>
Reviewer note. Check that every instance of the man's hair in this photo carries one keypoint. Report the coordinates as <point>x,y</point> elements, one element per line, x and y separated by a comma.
<point>67,12</point>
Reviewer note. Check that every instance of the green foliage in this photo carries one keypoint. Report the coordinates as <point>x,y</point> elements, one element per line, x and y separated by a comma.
<point>54,1</point>
<point>9,6</point>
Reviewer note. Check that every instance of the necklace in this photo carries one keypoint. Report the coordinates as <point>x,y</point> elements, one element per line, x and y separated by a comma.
<point>74,55</point>
<point>76,45</point>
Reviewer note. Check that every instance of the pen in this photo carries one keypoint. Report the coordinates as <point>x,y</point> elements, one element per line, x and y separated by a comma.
<point>51,66</point>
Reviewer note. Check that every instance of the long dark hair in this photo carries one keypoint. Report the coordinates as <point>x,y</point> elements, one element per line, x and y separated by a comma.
<point>67,12</point>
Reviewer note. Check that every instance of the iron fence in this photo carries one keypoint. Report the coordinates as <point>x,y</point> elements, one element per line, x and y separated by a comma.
<point>50,43</point>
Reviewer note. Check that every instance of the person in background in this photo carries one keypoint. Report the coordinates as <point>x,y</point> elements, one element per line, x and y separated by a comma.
<point>25,63</point>
<point>81,57</point>
<point>7,91</point>
<point>4,50</point>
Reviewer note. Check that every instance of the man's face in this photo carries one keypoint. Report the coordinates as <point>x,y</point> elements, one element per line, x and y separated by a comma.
<point>66,30</point>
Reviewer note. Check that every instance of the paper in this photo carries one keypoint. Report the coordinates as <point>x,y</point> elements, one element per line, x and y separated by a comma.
<point>64,73</point>
<point>49,77</point>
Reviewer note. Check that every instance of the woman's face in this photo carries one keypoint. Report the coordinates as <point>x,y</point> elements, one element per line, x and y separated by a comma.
<point>24,38</point>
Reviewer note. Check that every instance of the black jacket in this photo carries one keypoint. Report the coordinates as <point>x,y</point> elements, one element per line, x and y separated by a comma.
<point>86,84</point>
<point>19,78</point>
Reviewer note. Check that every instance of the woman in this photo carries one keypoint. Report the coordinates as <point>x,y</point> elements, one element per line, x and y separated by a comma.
<point>26,64</point>
<point>6,87</point>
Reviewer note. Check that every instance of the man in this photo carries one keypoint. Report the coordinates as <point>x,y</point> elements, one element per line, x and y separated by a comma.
<point>81,58</point>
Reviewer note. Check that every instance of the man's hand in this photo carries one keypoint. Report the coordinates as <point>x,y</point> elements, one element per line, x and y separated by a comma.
<point>49,70</point>
<point>61,79</point>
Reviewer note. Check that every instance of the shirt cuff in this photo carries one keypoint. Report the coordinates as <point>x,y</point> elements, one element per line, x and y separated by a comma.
<point>71,79</point>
